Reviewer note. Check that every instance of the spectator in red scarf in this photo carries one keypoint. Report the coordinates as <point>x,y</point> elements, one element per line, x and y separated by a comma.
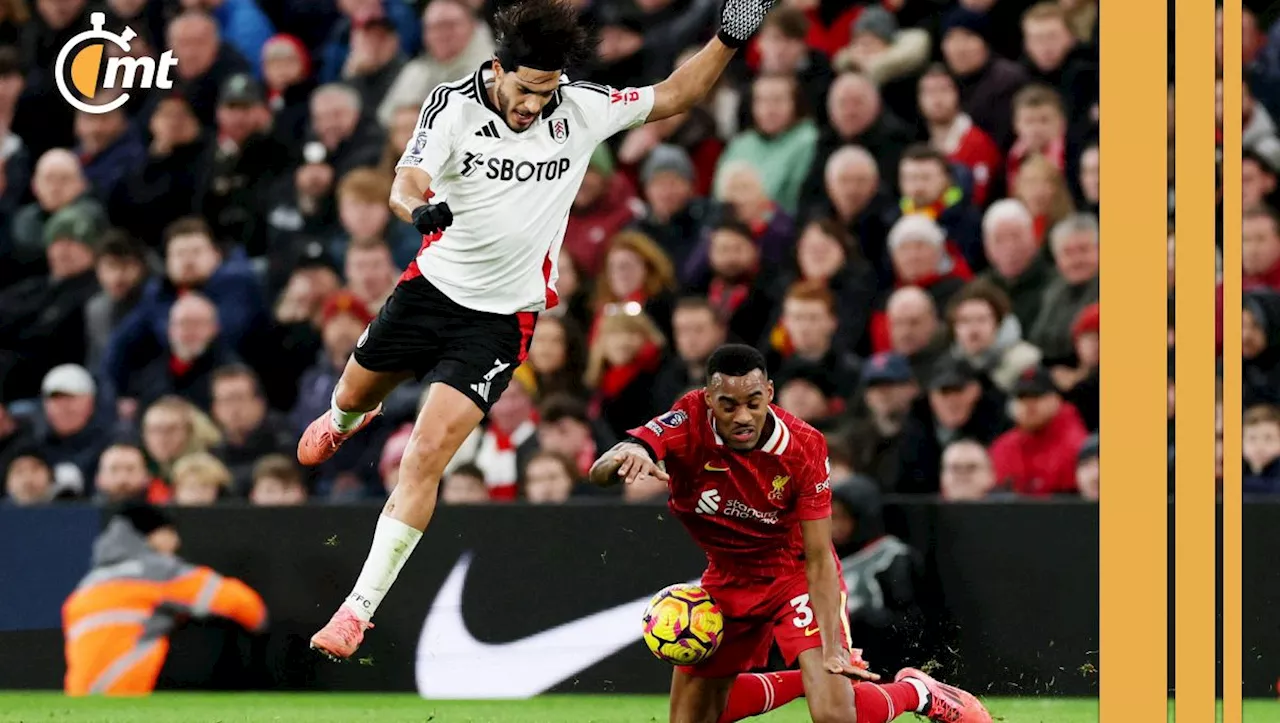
<point>194,352</point>
<point>741,288</point>
<point>1043,190</point>
<point>1080,383</point>
<point>830,26</point>
<point>1038,456</point>
<point>919,254</point>
<point>635,269</point>
<point>622,364</point>
<point>605,204</point>
<point>495,447</point>
<point>953,133</point>
<point>1041,126</point>
<point>927,188</point>
<point>806,334</point>
<point>1260,248</point>
<point>123,476</point>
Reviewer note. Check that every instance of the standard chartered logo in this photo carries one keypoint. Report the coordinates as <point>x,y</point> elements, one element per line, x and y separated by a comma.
<point>81,73</point>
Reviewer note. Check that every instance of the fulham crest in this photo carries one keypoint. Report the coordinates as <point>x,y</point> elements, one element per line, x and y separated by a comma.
<point>559,129</point>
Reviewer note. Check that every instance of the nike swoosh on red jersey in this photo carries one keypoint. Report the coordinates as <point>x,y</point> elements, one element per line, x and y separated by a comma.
<point>708,467</point>
<point>452,664</point>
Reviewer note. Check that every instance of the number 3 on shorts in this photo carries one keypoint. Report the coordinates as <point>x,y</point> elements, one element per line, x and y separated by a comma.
<point>804,613</point>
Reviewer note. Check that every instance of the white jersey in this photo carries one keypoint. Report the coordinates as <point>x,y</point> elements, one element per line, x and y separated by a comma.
<point>510,193</point>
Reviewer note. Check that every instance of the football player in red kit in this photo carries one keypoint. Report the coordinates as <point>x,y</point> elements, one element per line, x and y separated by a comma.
<point>751,483</point>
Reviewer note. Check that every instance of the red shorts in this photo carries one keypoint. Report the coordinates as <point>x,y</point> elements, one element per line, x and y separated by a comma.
<point>758,613</point>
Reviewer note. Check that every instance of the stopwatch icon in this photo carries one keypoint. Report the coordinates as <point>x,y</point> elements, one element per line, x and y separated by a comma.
<point>85,52</point>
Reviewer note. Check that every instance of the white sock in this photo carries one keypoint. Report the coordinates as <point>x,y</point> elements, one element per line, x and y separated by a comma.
<point>343,421</point>
<point>924,694</point>
<point>393,542</point>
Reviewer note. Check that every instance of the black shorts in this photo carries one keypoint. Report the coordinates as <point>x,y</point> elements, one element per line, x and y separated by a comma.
<point>423,331</point>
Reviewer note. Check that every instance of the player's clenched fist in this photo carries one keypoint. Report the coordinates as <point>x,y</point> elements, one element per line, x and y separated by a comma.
<point>740,19</point>
<point>432,218</point>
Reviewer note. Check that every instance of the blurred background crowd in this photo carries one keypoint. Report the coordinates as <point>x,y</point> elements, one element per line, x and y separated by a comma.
<point>896,201</point>
<point>1260,248</point>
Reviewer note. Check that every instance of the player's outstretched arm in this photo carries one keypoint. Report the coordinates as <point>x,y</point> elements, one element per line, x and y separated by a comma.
<point>688,84</point>
<point>824,598</point>
<point>626,462</point>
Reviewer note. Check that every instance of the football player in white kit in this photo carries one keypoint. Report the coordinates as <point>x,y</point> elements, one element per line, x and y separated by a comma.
<point>488,178</point>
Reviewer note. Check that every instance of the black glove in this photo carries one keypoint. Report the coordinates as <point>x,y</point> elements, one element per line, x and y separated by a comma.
<point>432,218</point>
<point>740,19</point>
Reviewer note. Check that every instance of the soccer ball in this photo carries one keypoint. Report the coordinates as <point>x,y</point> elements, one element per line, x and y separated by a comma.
<point>683,625</point>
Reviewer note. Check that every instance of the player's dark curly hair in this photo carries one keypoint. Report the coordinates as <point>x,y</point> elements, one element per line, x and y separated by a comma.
<point>541,34</point>
<point>735,360</point>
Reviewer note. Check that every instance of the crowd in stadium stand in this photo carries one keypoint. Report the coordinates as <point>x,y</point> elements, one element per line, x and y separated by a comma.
<point>896,201</point>
<point>1260,251</point>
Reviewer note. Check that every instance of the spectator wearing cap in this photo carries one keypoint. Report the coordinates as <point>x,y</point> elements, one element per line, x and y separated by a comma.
<point>673,217</point>
<point>165,186</point>
<point>28,480</point>
<point>366,220</point>
<point>806,333</point>
<point>193,262</point>
<point>75,426</point>
<point>1075,252</point>
<point>1260,248</point>
<point>889,55</point>
<point>696,332</point>
<point>121,268</point>
<point>988,336</point>
<point>1260,346</point>
<point>241,23</point>
<point>622,363</point>
<point>109,149</point>
<point>694,132</point>
<point>454,42</point>
<point>967,474</point>
<point>1038,456</point>
<point>854,198</point>
<point>605,204</point>
<point>332,55</point>
<point>742,289</point>
<point>1017,266</point>
<point>58,183</point>
<point>193,352</point>
<point>781,143</point>
<point>857,117</point>
<point>288,82</point>
<point>1080,384</point>
<point>250,429</point>
<point>887,392</point>
<point>1088,468</point>
<point>987,81</point>
<point>1257,181</point>
<point>953,133</point>
<point>351,472</point>
<point>1054,57</point>
<point>927,187</point>
<point>136,593</point>
<point>808,391</point>
<point>374,60</point>
<point>42,321</point>
<point>783,51</point>
<point>250,155</point>
<point>742,195</point>
<point>957,407</point>
<point>205,62</point>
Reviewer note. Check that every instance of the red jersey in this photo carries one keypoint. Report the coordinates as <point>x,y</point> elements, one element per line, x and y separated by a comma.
<point>970,146</point>
<point>742,508</point>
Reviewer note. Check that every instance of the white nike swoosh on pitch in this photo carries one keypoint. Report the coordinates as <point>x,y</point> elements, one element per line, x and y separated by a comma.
<point>452,664</point>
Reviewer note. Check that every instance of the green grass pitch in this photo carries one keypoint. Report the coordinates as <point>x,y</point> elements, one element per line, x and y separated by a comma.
<point>385,708</point>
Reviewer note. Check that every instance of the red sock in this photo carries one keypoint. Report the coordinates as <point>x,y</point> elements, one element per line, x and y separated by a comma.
<point>754,694</point>
<point>883,703</point>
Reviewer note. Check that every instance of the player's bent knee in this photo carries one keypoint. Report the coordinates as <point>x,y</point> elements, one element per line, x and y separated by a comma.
<point>823,712</point>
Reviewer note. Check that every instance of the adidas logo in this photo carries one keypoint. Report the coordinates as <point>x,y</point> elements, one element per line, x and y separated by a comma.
<point>484,387</point>
<point>488,131</point>
<point>709,502</point>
